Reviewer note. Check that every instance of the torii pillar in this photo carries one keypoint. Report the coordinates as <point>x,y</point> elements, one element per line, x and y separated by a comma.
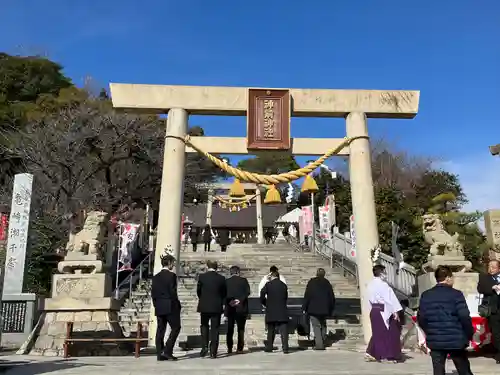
<point>353,105</point>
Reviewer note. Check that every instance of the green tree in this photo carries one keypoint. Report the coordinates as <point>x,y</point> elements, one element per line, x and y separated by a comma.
<point>22,81</point>
<point>270,163</point>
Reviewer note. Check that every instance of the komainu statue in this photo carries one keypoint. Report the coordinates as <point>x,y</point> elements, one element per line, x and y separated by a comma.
<point>92,235</point>
<point>442,243</point>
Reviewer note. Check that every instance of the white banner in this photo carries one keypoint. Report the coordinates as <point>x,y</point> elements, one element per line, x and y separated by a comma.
<point>324,222</point>
<point>128,237</point>
<point>353,236</point>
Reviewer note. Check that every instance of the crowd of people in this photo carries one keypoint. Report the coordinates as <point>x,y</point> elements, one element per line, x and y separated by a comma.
<point>443,314</point>
<point>219,296</point>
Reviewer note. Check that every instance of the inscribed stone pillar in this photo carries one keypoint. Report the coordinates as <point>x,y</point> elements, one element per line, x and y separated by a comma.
<point>171,196</point>
<point>492,226</point>
<point>18,234</point>
<point>258,210</point>
<point>363,207</point>
<point>210,205</point>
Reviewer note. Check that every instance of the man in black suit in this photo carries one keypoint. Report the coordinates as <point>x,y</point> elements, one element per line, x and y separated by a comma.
<point>319,302</point>
<point>211,291</point>
<point>224,240</point>
<point>167,308</point>
<point>238,291</point>
<point>489,287</point>
<point>274,296</point>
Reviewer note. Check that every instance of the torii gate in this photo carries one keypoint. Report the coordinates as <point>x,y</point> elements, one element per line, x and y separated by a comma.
<point>268,112</point>
<point>212,187</point>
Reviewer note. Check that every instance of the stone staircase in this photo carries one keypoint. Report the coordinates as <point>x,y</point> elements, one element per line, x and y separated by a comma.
<point>254,261</point>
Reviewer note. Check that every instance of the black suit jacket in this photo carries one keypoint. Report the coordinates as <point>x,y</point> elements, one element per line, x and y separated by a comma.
<point>319,299</point>
<point>484,287</point>
<point>237,288</point>
<point>164,293</point>
<point>274,296</point>
<point>211,291</point>
<point>223,235</point>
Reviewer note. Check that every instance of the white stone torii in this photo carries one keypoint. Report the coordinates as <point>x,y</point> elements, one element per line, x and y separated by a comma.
<point>246,186</point>
<point>354,105</point>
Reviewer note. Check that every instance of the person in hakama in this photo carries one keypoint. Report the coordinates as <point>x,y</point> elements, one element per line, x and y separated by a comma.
<point>385,343</point>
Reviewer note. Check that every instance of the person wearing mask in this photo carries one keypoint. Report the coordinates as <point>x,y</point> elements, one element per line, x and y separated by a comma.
<point>236,311</point>
<point>445,319</point>
<point>489,287</point>
<point>224,240</point>
<point>207,237</point>
<point>274,297</point>
<point>267,277</point>
<point>385,344</point>
<point>194,235</point>
<point>167,308</point>
<point>211,291</point>
<point>318,303</point>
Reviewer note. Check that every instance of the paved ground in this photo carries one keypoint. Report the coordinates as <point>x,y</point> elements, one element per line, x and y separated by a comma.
<point>258,363</point>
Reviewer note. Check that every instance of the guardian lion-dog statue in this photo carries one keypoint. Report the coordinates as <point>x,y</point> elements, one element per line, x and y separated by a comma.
<point>442,243</point>
<point>92,235</point>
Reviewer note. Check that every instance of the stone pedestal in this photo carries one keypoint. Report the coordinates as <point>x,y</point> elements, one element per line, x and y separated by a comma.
<point>456,263</point>
<point>84,299</point>
<point>465,282</point>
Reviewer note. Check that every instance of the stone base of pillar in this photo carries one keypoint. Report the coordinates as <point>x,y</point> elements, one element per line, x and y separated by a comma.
<point>94,318</point>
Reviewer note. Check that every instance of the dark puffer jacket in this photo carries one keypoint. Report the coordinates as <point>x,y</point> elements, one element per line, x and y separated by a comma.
<point>445,318</point>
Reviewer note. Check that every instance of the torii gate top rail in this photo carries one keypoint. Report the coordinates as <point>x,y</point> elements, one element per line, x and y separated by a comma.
<point>232,101</point>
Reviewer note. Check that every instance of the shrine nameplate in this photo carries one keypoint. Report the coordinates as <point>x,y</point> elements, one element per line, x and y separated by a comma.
<point>268,119</point>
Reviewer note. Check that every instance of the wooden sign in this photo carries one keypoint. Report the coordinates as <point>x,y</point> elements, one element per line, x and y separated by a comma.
<point>268,119</point>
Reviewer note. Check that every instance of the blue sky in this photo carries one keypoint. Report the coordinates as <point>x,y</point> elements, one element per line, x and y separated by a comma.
<point>447,49</point>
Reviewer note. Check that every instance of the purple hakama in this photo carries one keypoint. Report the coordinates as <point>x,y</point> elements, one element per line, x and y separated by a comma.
<point>385,343</point>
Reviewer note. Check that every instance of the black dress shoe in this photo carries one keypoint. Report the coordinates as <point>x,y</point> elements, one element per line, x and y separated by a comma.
<point>267,350</point>
<point>170,357</point>
<point>229,351</point>
<point>213,356</point>
<point>203,353</point>
<point>162,357</point>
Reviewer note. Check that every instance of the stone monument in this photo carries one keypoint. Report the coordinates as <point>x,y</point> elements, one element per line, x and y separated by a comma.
<point>81,294</point>
<point>492,226</point>
<point>445,250</point>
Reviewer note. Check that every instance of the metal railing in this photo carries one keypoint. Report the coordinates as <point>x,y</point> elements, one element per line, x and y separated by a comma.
<point>144,268</point>
<point>338,249</point>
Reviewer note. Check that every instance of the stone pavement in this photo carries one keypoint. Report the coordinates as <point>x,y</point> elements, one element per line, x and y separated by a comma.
<point>330,362</point>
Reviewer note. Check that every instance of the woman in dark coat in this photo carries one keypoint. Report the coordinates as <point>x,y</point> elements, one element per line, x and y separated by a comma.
<point>224,240</point>
<point>194,234</point>
<point>207,237</point>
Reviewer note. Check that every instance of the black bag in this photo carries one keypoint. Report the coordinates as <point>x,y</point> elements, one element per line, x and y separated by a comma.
<point>303,325</point>
<point>484,309</point>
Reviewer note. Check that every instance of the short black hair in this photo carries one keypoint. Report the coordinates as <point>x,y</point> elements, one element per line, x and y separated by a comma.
<point>167,260</point>
<point>212,264</point>
<point>234,270</point>
<point>275,274</point>
<point>273,269</point>
<point>442,272</point>
<point>378,270</point>
<point>321,273</point>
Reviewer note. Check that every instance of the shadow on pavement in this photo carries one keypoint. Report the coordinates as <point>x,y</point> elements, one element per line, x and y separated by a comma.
<point>38,367</point>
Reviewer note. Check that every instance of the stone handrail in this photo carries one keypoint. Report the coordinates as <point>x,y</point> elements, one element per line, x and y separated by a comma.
<point>403,279</point>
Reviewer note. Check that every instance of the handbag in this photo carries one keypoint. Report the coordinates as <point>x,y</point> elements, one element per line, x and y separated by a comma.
<point>484,309</point>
